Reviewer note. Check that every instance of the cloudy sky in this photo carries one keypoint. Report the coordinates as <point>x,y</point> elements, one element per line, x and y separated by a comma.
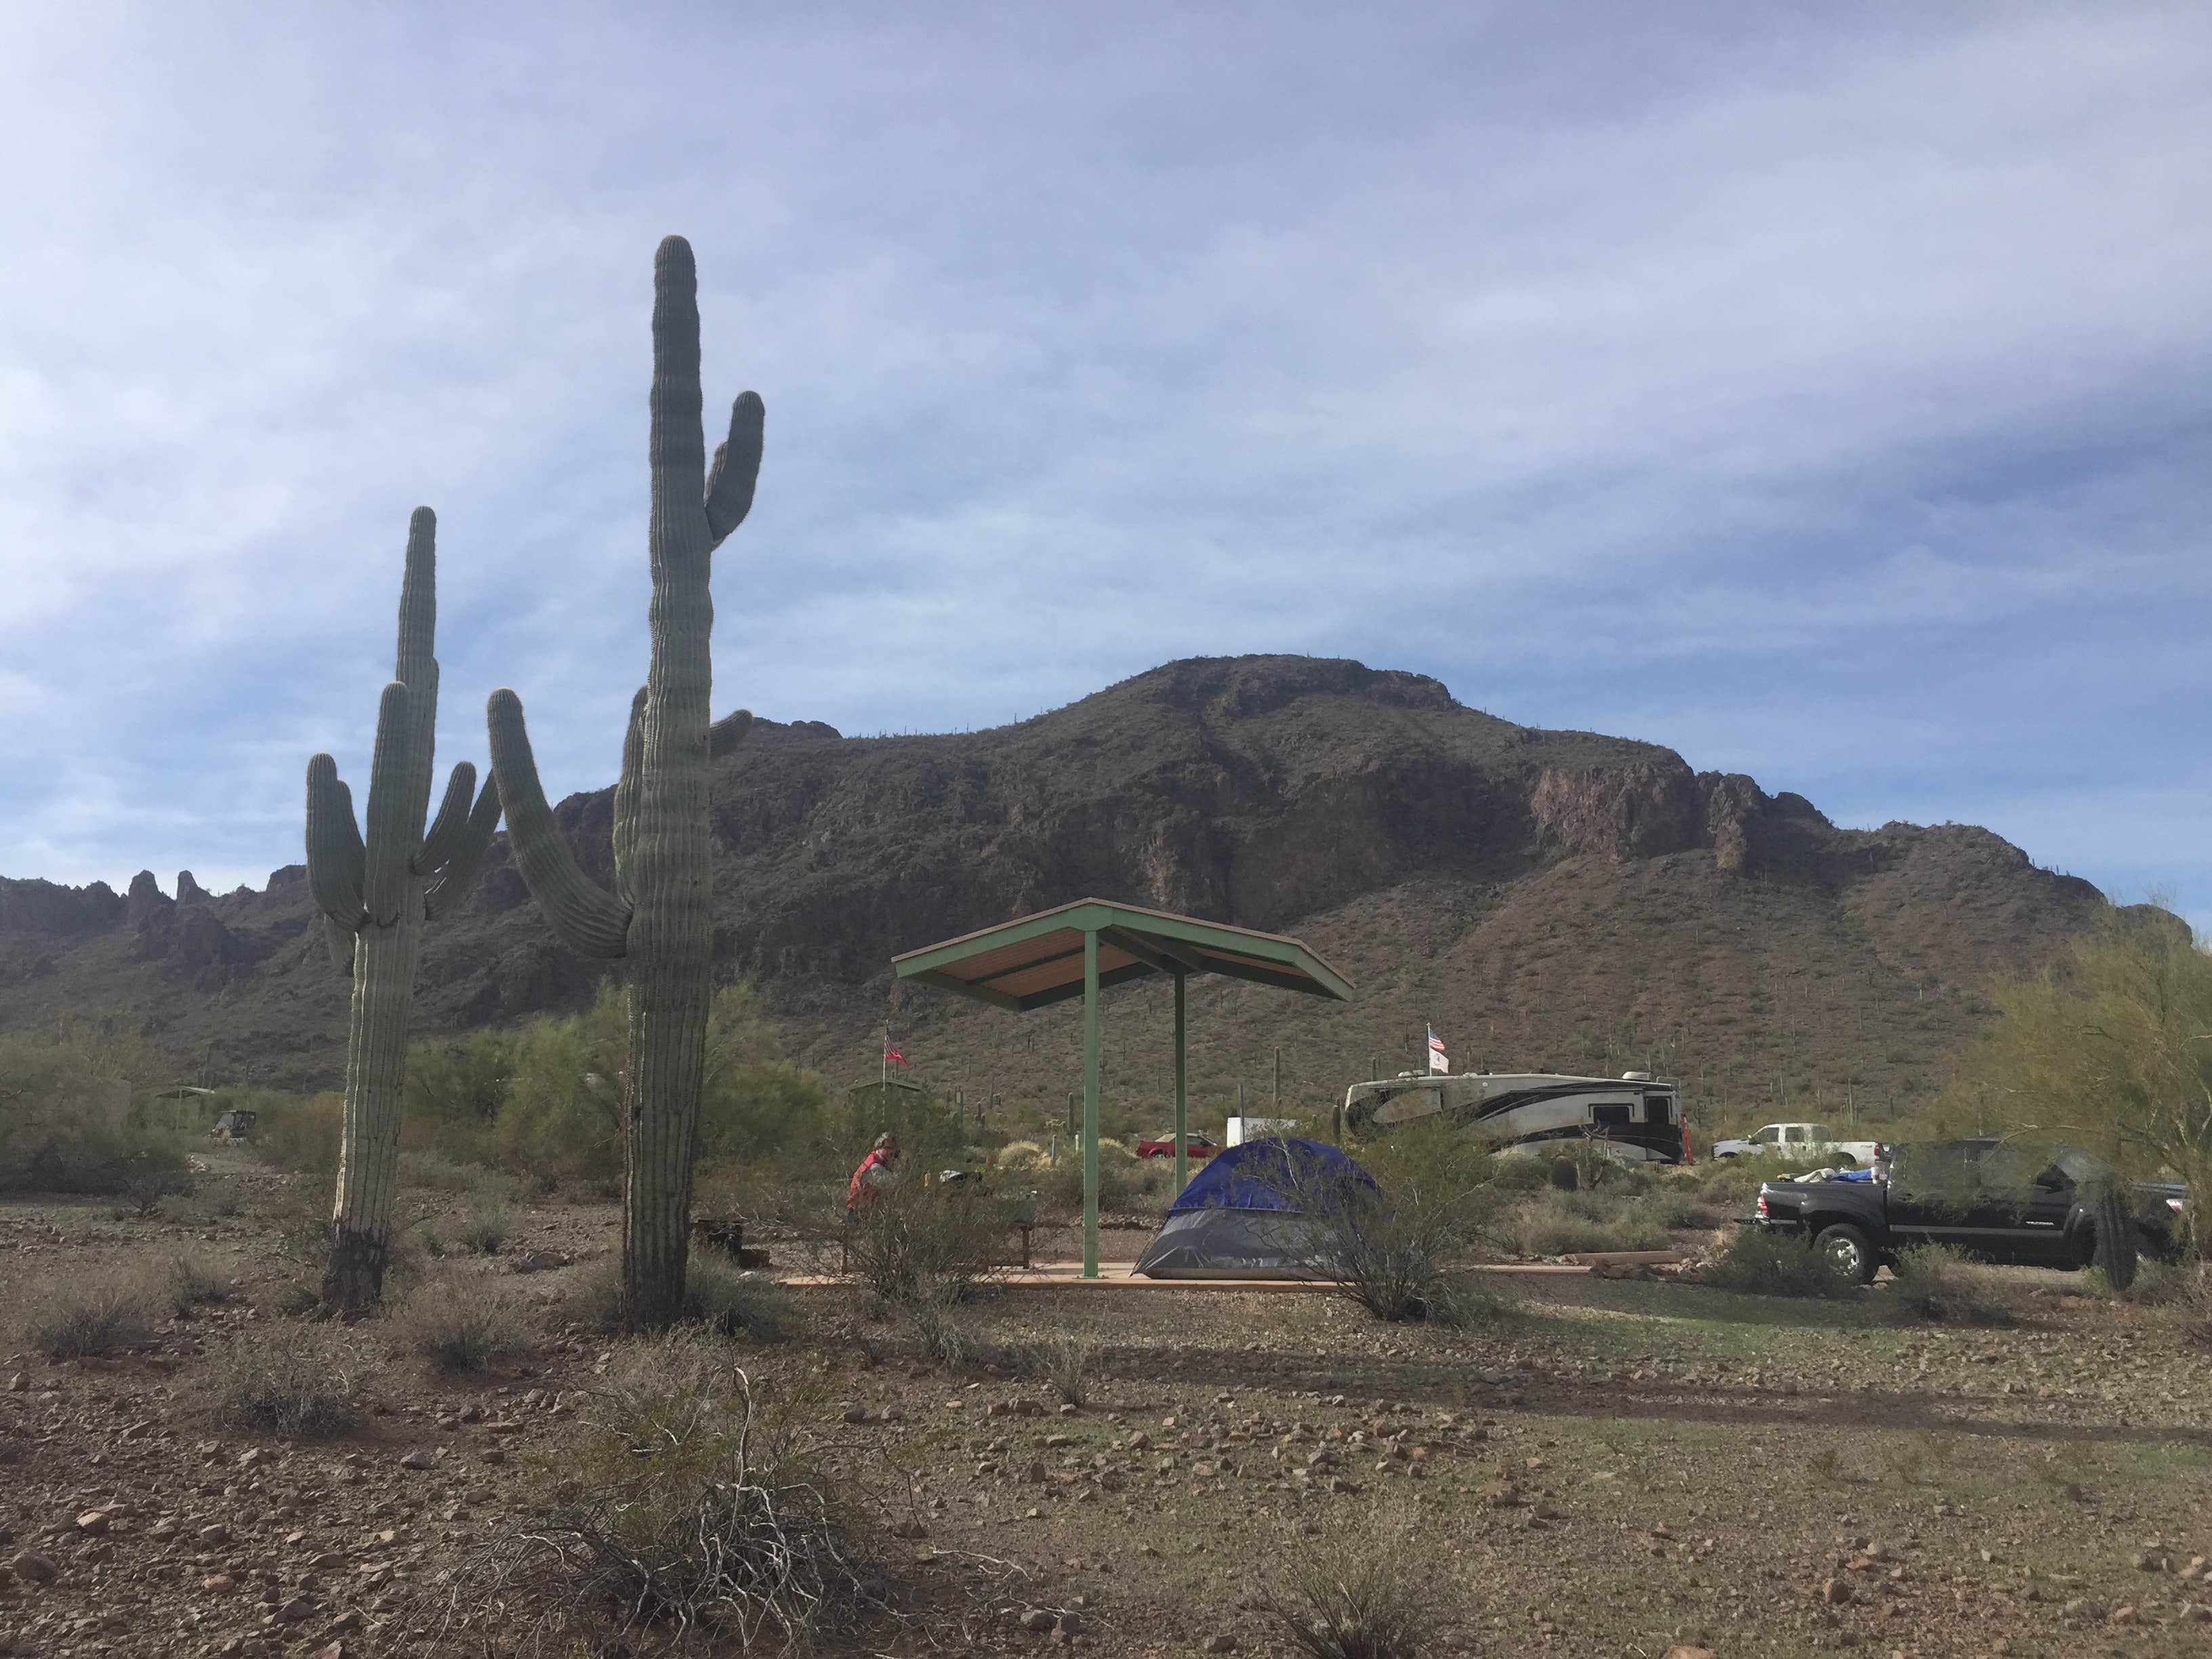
<point>1820,390</point>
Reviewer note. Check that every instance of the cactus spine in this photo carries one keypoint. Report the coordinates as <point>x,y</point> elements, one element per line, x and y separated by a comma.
<point>658,917</point>
<point>374,894</point>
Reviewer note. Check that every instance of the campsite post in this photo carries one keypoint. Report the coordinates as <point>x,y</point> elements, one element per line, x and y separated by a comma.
<point>1181,1092</point>
<point>1091,1102</point>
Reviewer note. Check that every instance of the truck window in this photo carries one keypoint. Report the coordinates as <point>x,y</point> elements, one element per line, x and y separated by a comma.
<point>1820,1134</point>
<point>1767,1137</point>
<point>1793,1134</point>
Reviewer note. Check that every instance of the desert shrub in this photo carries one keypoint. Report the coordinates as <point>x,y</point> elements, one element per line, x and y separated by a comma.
<point>1760,1262</point>
<point>301,1133</point>
<point>734,1303</point>
<point>2157,1285</point>
<point>691,1504</point>
<point>1063,1362</point>
<point>302,1381</point>
<point>918,1241</point>
<point>1562,1223</point>
<point>484,1230</point>
<point>1388,1246</point>
<point>1359,1595</point>
<point>1673,1208</point>
<point>715,1296</point>
<point>93,1318</point>
<point>192,1281</point>
<point>1938,1284</point>
<point>458,1326</point>
<point>1019,1155</point>
<point>1563,1174</point>
<point>1517,1173</point>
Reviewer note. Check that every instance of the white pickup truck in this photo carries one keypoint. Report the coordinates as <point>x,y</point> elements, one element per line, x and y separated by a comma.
<point>1800,1140</point>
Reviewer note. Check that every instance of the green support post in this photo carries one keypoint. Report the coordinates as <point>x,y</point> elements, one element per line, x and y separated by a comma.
<point>1091,1102</point>
<point>1181,1093</point>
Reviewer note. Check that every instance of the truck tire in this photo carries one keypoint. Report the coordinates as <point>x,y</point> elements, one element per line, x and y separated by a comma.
<point>2112,1237</point>
<point>1847,1251</point>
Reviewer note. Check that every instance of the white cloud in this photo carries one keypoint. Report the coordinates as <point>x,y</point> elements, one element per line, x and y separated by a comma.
<point>1828,370</point>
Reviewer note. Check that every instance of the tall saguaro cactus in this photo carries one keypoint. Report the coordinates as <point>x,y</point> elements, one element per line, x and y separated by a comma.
<point>374,894</point>
<point>657,917</point>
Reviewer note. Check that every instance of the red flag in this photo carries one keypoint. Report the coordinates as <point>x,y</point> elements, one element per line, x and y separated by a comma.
<point>891,1053</point>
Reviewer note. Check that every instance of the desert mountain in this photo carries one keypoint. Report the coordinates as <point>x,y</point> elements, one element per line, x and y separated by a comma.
<point>1549,900</point>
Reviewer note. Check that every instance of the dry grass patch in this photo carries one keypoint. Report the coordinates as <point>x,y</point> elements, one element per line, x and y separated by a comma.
<point>94,1317</point>
<point>301,1381</point>
<point>690,1509</point>
<point>458,1327</point>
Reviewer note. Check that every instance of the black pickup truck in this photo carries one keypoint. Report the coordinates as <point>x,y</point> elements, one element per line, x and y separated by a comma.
<point>1993,1199</point>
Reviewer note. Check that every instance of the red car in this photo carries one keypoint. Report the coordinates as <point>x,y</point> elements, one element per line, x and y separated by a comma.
<point>1194,1144</point>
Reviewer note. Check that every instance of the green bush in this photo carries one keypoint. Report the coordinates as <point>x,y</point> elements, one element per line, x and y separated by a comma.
<point>1938,1284</point>
<point>1558,1223</point>
<point>1760,1262</point>
<point>1563,1174</point>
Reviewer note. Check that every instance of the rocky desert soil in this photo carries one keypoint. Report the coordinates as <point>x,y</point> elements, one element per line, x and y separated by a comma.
<point>1601,1468</point>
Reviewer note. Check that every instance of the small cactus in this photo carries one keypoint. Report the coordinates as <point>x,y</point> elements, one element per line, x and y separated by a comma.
<point>375,893</point>
<point>657,916</point>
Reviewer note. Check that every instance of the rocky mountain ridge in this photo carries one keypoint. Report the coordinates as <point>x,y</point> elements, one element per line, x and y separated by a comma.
<point>1556,899</point>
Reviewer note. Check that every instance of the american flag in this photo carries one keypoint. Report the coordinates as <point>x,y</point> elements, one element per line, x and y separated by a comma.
<point>1436,1060</point>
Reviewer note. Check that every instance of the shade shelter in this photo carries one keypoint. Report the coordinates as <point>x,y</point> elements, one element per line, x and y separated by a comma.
<point>1077,951</point>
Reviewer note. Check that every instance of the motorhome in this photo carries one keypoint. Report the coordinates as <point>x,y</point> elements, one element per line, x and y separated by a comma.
<point>1638,1117</point>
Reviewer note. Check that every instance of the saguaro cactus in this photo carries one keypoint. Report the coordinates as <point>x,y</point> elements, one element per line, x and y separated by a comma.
<point>657,916</point>
<point>374,896</point>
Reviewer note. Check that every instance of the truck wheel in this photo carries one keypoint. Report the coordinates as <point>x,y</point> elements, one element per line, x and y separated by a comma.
<point>1847,1251</point>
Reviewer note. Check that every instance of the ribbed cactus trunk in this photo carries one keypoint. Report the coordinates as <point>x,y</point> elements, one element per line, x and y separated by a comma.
<point>375,893</point>
<point>659,916</point>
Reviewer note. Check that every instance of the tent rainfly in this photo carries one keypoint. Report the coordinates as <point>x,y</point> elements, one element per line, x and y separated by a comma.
<point>1077,950</point>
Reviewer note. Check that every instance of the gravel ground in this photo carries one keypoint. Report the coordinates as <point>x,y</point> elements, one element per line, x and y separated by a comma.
<point>1604,1468</point>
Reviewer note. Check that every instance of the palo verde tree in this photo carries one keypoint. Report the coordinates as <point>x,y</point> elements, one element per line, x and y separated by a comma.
<point>657,918</point>
<point>2110,1050</point>
<point>374,893</point>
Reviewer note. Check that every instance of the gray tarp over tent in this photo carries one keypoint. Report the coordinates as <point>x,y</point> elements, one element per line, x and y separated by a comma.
<point>1247,1214</point>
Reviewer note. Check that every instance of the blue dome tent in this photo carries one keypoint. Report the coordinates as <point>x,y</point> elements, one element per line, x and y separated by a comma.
<point>1247,1214</point>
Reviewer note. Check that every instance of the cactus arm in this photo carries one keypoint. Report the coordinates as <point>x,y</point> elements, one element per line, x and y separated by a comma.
<point>390,837</point>
<point>452,822</point>
<point>586,918</point>
<point>626,791</point>
<point>341,939</point>
<point>468,852</point>
<point>727,732</point>
<point>335,854</point>
<point>736,469</point>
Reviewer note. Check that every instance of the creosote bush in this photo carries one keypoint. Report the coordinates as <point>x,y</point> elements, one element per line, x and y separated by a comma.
<point>93,1317</point>
<point>1758,1262</point>
<point>919,1242</point>
<point>1934,1283</point>
<point>458,1326</point>
<point>301,1381</point>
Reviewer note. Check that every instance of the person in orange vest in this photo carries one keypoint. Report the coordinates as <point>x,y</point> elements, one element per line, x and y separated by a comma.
<point>878,1174</point>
